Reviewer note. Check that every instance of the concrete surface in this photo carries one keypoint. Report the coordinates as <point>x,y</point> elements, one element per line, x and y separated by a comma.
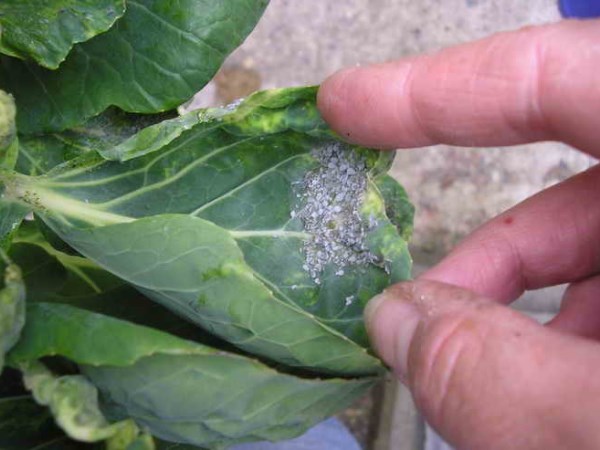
<point>300,42</point>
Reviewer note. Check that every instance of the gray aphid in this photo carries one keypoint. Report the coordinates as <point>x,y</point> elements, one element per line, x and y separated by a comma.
<point>331,196</point>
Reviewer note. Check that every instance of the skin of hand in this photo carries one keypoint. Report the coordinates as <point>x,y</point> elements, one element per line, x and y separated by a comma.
<point>483,375</point>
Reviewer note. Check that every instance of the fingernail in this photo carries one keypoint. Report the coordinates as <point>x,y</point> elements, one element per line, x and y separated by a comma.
<point>392,320</point>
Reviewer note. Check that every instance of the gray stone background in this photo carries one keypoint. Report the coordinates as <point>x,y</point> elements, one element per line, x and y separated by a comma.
<point>300,42</point>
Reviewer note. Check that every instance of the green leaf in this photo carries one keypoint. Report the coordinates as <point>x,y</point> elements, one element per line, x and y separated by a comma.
<point>196,269</point>
<point>77,281</point>
<point>11,213</point>
<point>82,336</point>
<point>147,140</point>
<point>205,226</point>
<point>52,239</point>
<point>182,391</point>
<point>42,274</point>
<point>26,425</point>
<point>39,154</point>
<point>73,402</point>
<point>51,275</point>
<point>11,216</point>
<point>274,111</point>
<point>218,401</point>
<point>23,424</point>
<point>8,112</point>
<point>45,31</point>
<point>9,147</point>
<point>12,308</point>
<point>154,58</point>
<point>112,132</point>
<point>397,205</point>
<point>88,338</point>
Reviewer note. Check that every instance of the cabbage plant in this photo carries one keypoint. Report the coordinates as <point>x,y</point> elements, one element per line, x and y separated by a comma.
<point>176,281</point>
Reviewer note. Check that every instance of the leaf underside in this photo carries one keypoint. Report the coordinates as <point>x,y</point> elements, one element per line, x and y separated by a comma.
<point>174,374</point>
<point>204,226</point>
<point>197,213</point>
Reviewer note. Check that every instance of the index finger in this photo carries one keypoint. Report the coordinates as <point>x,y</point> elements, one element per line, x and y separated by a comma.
<point>538,83</point>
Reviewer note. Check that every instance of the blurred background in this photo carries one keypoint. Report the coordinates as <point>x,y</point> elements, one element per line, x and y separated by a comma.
<point>300,42</point>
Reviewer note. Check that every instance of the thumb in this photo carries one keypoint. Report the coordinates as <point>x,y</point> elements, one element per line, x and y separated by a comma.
<point>484,375</point>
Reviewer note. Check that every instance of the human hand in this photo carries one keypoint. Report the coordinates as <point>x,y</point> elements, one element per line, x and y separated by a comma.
<point>485,376</point>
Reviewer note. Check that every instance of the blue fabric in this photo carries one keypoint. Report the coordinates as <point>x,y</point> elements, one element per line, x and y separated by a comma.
<point>328,435</point>
<point>580,8</point>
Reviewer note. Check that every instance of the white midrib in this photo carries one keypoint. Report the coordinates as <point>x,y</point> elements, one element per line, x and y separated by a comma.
<point>86,212</point>
<point>77,209</point>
